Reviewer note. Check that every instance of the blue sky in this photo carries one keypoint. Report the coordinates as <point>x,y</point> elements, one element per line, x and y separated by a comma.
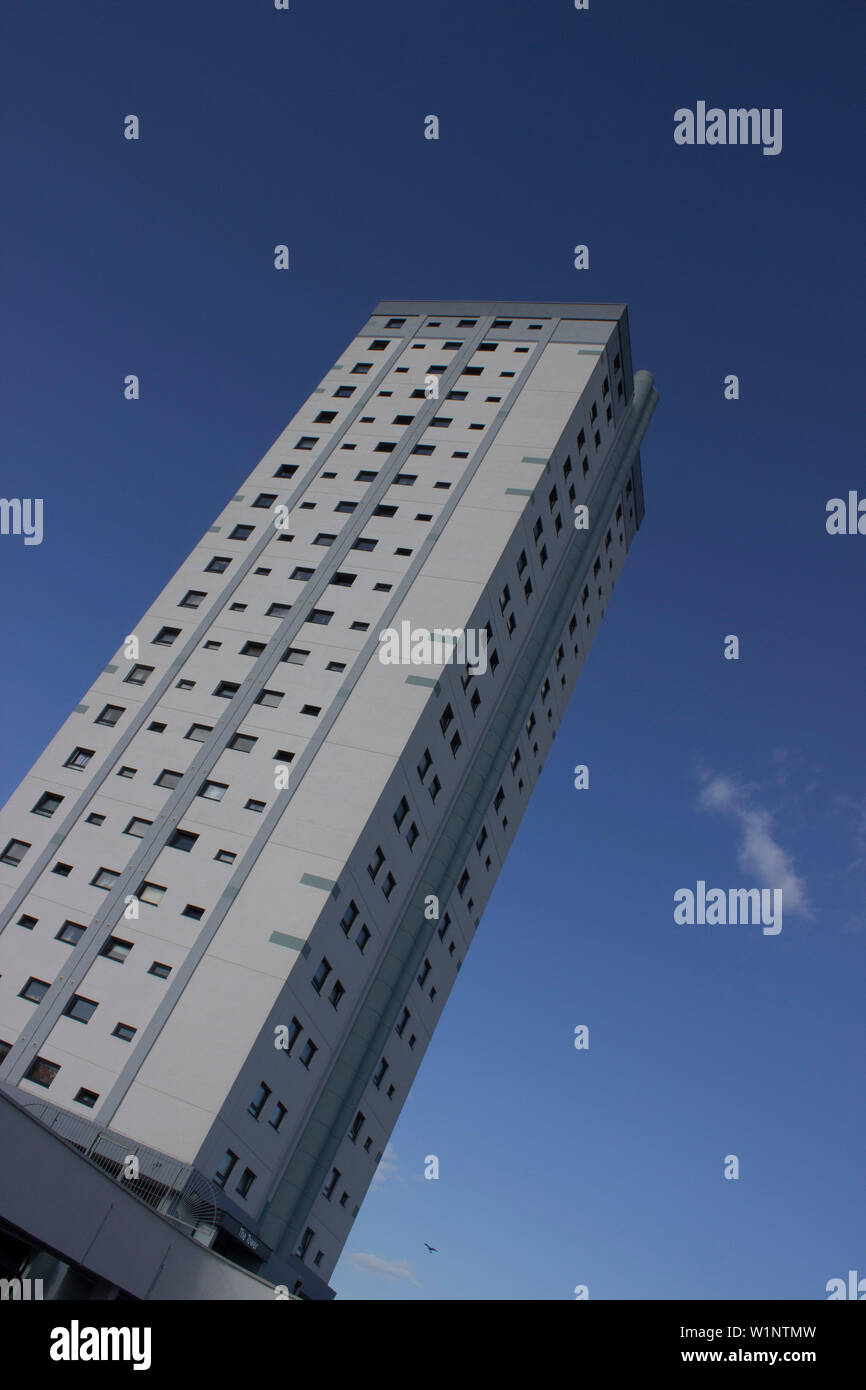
<point>557,1167</point>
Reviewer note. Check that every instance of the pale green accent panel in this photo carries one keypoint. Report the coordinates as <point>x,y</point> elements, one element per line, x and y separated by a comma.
<point>371,1028</point>
<point>527,458</point>
<point>319,391</point>
<point>280,938</point>
<point>313,881</point>
<point>109,670</point>
<point>518,492</point>
<point>420,680</point>
<point>590,352</point>
<point>211,529</point>
<point>81,709</point>
<point>239,497</point>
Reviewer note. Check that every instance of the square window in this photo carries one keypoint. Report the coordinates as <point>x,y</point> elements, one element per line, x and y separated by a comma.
<point>116,949</point>
<point>213,791</point>
<point>137,826</point>
<point>241,533</point>
<point>150,893</point>
<point>224,1171</point>
<point>242,743</point>
<point>27,921</point>
<point>336,994</point>
<point>79,757</point>
<point>47,804</point>
<point>257,1104</point>
<point>182,840</point>
<point>198,732</point>
<point>254,805</point>
<point>109,715</point>
<point>124,1031</point>
<point>322,972</point>
<point>86,1098</point>
<point>81,1009</point>
<point>225,856</point>
<point>161,970</point>
<point>34,990</point>
<point>192,598</point>
<point>138,675</point>
<point>70,933</point>
<point>104,878</point>
<point>41,1071</point>
<point>168,778</point>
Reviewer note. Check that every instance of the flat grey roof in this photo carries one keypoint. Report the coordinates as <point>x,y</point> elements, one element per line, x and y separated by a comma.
<point>519,308</point>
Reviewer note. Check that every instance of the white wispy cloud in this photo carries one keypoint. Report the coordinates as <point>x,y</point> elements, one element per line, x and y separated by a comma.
<point>386,1269</point>
<point>386,1169</point>
<point>759,850</point>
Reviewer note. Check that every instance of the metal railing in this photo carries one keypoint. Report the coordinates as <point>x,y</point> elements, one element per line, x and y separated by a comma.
<point>176,1190</point>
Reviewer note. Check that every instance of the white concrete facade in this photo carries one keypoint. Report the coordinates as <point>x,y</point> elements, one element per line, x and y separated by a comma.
<point>223,947</point>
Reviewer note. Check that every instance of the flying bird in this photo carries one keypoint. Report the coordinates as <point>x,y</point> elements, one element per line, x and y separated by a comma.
<point>432,1249</point>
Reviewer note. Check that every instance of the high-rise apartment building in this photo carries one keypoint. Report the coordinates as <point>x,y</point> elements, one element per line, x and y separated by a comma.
<point>238,885</point>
